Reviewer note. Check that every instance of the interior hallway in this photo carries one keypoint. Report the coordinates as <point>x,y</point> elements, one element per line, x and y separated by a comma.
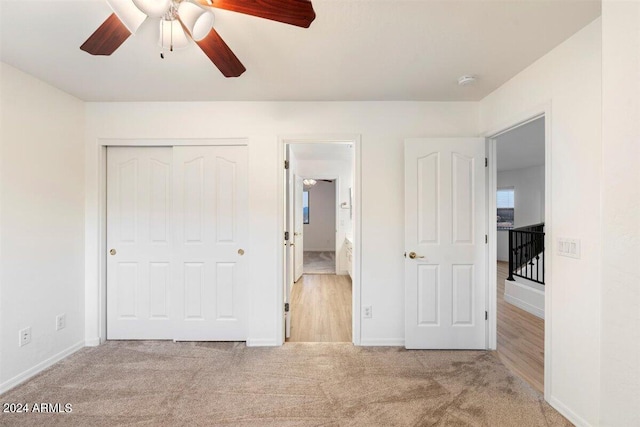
<point>319,262</point>
<point>520,337</point>
<point>321,309</point>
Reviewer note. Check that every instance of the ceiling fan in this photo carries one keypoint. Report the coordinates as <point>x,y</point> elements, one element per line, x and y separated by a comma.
<point>181,20</point>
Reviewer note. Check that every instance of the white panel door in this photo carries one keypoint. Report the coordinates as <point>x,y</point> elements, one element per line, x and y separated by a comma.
<point>298,236</point>
<point>211,235</point>
<point>445,243</point>
<point>139,243</point>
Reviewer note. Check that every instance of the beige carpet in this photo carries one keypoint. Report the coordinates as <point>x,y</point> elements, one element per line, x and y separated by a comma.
<point>160,383</point>
<point>316,262</point>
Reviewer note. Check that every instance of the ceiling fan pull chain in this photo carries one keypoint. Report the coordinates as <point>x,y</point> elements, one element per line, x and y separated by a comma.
<point>162,44</point>
<point>171,46</point>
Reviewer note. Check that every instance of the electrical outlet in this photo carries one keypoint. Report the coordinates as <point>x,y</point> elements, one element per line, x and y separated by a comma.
<point>24,336</point>
<point>61,321</point>
<point>367,312</point>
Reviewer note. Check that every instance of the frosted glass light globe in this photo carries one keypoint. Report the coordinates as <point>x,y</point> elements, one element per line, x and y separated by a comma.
<point>153,8</point>
<point>197,20</point>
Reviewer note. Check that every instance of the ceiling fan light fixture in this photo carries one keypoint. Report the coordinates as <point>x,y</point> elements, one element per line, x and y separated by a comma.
<point>153,8</point>
<point>172,36</point>
<point>197,20</point>
<point>131,16</point>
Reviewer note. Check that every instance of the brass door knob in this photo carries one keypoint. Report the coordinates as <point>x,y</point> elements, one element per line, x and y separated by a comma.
<point>414,255</point>
<point>240,252</point>
<point>112,251</point>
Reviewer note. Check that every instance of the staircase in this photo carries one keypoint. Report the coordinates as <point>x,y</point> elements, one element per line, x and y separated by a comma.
<point>524,287</point>
<point>526,253</point>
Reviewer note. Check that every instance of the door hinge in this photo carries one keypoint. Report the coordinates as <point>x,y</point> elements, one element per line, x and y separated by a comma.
<point>286,235</point>
<point>486,239</point>
<point>486,315</point>
<point>486,162</point>
<point>286,307</point>
<point>286,164</point>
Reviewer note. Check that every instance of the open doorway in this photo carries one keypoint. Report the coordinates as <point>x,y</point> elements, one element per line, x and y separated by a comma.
<point>319,226</point>
<point>318,290</point>
<point>520,187</point>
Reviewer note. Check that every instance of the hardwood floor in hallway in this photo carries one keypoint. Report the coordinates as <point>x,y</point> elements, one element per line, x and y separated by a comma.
<point>321,309</point>
<point>520,337</point>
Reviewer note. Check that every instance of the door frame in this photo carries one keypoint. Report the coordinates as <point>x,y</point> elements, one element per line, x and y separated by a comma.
<point>103,144</point>
<point>338,139</point>
<point>516,121</point>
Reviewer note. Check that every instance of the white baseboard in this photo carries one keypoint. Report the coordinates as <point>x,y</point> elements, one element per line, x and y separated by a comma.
<point>342,272</point>
<point>523,305</point>
<point>568,413</point>
<point>31,372</point>
<point>93,342</point>
<point>260,342</point>
<point>382,342</point>
<point>525,297</point>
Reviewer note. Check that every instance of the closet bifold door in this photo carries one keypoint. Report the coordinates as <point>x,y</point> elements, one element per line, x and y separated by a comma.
<point>139,243</point>
<point>210,277</point>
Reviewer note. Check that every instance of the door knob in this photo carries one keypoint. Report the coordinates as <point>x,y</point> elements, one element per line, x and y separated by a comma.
<point>112,251</point>
<point>240,252</point>
<point>414,255</point>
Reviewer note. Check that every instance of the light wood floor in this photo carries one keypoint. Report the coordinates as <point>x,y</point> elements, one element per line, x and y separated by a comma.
<point>321,309</point>
<point>520,338</point>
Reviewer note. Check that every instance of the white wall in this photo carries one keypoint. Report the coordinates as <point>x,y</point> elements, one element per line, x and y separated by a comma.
<point>42,216</point>
<point>528,199</point>
<point>342,169</point>
<point>382,126</point>
<point>320,233</point>
<point>569,78</point>
<point>621,214</point>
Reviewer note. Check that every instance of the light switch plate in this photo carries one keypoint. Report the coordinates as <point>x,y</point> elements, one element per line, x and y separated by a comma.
<point>568,247</point>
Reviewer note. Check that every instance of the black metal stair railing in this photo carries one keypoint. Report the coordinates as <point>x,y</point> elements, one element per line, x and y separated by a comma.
<point>526,253</point>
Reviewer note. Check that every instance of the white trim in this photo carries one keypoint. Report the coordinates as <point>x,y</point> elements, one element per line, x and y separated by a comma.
<point>517,120</point>
<point>35,370</point>
<point>262,342</point>
<point>102,144</point>
<point>382,342</point>
<point>568,413</point>
<point>93,342</point>
<point>492,232</point>
<point>524,292</point>
<point>355,140</point>
<point>161,142</point>
<point>524,305</point>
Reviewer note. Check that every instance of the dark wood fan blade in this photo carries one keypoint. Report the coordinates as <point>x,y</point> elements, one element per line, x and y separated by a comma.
<point>221,55</point>
<point>295,12</point>
<point>107,38</point>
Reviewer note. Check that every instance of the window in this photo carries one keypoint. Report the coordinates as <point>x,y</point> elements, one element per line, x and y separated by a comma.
<point>505,203</point>
<point>305,207</point>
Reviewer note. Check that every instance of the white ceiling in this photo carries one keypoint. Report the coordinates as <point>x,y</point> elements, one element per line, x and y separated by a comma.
<point>521,147</point>
<point>330,152</point>
<point>354,50</point>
